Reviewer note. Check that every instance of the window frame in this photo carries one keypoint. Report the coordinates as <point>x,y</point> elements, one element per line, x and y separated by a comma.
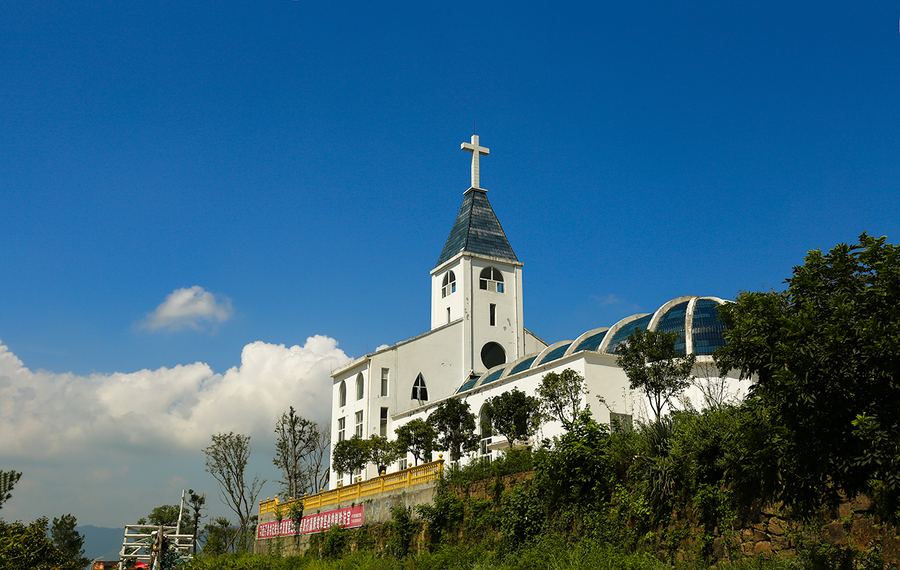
<point>359,424</point>
<point>491,279</point>
<point>383,422</point>
<point>420,389</point>
<point>448,285</point>
<point>385,381</point>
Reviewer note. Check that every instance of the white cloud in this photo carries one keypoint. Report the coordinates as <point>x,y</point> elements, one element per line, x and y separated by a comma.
<point>108,433</point>
<point>188,308</point>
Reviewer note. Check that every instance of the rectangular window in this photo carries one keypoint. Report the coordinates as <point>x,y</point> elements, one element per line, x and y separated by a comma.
<point>493,314</point>
<point>359,424</point>
<point>620,422</point>
<point>383,424</point>
<point>402,464</point>
<point>342,423</point>
<point>448,315</point>
<point>385,378</point>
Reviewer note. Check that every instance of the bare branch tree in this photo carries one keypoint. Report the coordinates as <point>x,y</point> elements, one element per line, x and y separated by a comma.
<point>318,471</point>
<point>297,439</point>
<point>226,461</point>
<point>712,383</point>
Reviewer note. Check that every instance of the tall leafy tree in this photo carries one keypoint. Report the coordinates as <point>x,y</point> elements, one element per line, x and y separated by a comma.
<point>562,396</point>
<point>382,451</point>
<point>226,461</point>
<point>652,365</point>
<point>68,540</point>
<point>350,455</point>
<point>826,356</point>
<point>455,424</point>
<point>514,415</point>
<point>297,438</point>
<point>417,437</point>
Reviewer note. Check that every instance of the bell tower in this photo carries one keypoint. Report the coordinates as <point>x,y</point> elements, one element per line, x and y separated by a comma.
<point>478,280</point>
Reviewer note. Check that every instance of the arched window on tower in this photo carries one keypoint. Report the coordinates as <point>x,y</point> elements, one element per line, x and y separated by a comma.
<point>419,390</point>
<point>342,393</point>
<point>359,386</point>
<point>449,285</point>
<point>491,279</point>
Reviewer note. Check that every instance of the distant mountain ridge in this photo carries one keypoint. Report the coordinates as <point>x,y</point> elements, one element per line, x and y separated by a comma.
<point>101,543</point>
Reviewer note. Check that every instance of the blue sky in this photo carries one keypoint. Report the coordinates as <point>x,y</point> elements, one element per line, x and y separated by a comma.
<point>186,184</point>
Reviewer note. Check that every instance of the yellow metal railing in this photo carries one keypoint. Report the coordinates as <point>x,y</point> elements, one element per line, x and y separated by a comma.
<point>400,479</point>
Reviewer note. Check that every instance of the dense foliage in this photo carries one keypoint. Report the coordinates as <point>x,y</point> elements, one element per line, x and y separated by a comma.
<point>29,547</point>
<point>826,352</point>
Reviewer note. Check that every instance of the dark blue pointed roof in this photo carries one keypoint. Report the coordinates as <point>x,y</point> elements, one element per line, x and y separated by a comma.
<point>477,230</point>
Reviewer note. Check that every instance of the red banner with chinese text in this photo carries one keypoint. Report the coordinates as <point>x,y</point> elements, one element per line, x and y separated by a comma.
<point>349,517</point>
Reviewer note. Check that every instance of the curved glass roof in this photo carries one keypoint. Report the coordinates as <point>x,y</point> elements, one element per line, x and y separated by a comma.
<point>626,330</point>
<point>673,321</point>
<point>470,383</point>
<point>524,365</point>
<point>592,342</point>
<point>707,330</point>
<point>493,376</point>
<point>556,353</point>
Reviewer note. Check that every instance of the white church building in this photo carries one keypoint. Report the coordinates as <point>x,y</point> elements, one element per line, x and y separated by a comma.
<point>478,346</point>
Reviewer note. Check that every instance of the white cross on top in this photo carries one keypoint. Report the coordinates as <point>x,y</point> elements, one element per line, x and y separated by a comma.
<point>476,152</point>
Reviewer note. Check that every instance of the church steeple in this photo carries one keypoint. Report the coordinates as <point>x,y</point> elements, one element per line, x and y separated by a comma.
<point>477,230</point>
<point>476,286</point>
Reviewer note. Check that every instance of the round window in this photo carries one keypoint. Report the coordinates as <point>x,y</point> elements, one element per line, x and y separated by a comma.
<point>492,354</point>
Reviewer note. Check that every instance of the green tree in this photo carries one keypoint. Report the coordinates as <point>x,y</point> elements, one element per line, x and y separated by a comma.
<point>514,415</point>
<point>196,502</point>
<point>350,455</point>
<point>652,365</point>
<point>165,515</point>
<point>417,437</point>
<point>68,540</point>
<point>825,356</point>
<point>28,547</point>
<point>297,438</point>
<point>226,461</point>
<point>562,396</point>
<point>382,452</point>
<point>455,423</point>
<point>8,480</point>
<point>217,537</point>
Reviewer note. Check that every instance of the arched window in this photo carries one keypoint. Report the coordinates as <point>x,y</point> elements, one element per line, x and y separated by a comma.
<point>420,391</point>
<point>342,393</point>
<point>484,423</point>
<point>449,285</point>
<point>491,279</point>
<point>359,386</point>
